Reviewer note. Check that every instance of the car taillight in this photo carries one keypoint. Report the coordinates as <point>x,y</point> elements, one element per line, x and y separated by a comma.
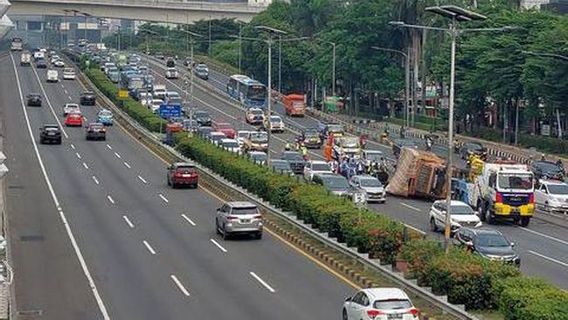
<point>415,312</point>
<point>232,218</point>
<point>531,198</point>
<point>498,197</point>
<point>374,313</point>
<point>178,174</point>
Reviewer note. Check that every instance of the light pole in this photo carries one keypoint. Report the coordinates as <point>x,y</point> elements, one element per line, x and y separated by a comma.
<point>333,73</point>
<point>279,63</point>
<point>456,14</point>
<point>190,36</point>
<point>85,26</point>
<point>240,45</point>
<point>406,77</point>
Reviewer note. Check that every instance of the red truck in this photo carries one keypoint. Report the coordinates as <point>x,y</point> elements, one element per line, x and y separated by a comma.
<point>294,105</point>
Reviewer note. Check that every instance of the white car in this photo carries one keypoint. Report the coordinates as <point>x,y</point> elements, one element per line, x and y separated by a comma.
<point>461,215</point>
<point>59,64</point>
<point>374,189</point>
<point>379,304</point>
<point>52,76</point>
<point>254,116</point>
<point>241,136</point>
<point>315,167</point>
<point>71,108</point>
<point>155,105</point>
<point>552,197</point>
<point>172,73</point>
<point>274,123</point>
<point>231,145</point>
<point>258,157</point>
<point>68,74</point>
<point>54,58</point>
<point>216,136</point>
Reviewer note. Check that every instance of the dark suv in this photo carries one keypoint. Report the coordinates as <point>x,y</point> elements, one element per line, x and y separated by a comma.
<point>488,243</point>
<point>33,99</point>
<point>182,173</point>
<point>203,118</point>
<point>295,160</point>
<point>88,98</point>
<point>50,133</point>
<point>95,131</point>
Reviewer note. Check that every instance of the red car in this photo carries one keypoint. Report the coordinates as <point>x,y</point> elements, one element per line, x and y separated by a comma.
<point>74,120</point>
<point>182,173</point>
<point>225,128</point>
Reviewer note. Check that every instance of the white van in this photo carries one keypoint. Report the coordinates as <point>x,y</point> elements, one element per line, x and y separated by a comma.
<point>52,76</point>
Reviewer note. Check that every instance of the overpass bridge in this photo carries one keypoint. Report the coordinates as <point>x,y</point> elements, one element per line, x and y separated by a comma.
<point>169,11</point>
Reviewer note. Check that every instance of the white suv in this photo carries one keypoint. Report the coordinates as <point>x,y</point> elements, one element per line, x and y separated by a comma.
<point>461,215</point>
<point>379,304</point>
<point>52,76</point>
<point>238,217</point>
<point>68,74</point>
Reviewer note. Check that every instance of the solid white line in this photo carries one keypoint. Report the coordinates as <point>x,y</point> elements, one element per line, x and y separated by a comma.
<point>269,288</point>
<point>117,155</point>
<point>142,179</point>
<point>66,92</point>
<point>62,216</point>
<point>110,199</point>
<point>95,180</point>
<point>549,258</point>
<point>70,98</point>
<point>218,245</point>
<point>179,285</point>
<point>86,166</point>
<point>127,165</point>
<point>73,146</point>
<point>130,224</point>
<point>410,207</point>
<point>163,198</point>
<point>188,219</point>
<point>108,146</point>
<point>78,155</point>
<point>152,251</point>
<point>545,236</point>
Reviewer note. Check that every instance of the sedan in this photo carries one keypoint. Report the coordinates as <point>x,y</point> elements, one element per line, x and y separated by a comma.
<point>95,131</point>
<point>336,184</point>
<point>379,304</point>
<point>489,244</point>
<point>88,98</point>
<point>543,169</point>
<point>258,157</point>
<point>172,73</point>
<point>33,99</point>
<point>461,215</point>
<point>105,117</point>
<point>254,116</point>
<point>59,64</point>
<point>74,120</point>
<point>230,145</point>
<point>71,108</point>
<point>373,188</point>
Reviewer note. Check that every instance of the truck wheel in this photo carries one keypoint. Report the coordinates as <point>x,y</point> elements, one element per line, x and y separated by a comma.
<point>433,225</point>
<point>482,211</point>
<point>489,217</point>
<point>525,221</point>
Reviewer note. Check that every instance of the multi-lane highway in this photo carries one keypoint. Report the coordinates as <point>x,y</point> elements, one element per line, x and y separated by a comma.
<point>96,233</point>
<point>543,247</point>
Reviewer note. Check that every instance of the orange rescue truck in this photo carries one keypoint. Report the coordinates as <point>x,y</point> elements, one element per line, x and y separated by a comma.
<point>294,105</point>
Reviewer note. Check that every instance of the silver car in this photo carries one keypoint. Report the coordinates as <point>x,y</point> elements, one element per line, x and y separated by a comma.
<point>373,188</point>
<point>239,217</point>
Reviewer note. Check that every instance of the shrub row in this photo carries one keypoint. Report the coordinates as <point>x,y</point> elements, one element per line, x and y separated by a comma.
<point>465,278</point>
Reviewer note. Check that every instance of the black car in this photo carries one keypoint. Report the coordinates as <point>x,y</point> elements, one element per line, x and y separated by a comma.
<point>34,100</point>
<point>170,63</point>
<point>202,117</point>
<point>160,56</point>
<point>296,161</point>
<point>398,144</point>
<point>543,169</point>
<point>41,64</point>
<point>311,138</point>
<point>88,98</point>
<point>488,243</point>
<point>50,133</point>
<point>204,132</point>
<point>95,131</point>
<point>470,148</point>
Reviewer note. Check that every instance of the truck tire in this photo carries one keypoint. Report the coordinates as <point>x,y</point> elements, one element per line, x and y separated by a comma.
<point>482,211</point>
<point>489,217</point>
<point>433,226</point>
<point>525,221</point>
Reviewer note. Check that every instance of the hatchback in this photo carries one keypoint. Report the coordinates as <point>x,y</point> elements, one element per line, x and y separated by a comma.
<point>379,304</point>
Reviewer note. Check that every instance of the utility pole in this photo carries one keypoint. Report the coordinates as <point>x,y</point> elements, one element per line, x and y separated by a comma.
<point>333,69</point>
<point>240,46</point>
<point>190,36</point>
<point>279,63</point>
<point>209,36</point>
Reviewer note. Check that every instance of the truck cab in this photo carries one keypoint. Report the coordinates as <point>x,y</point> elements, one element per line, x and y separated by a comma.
<point>294,105</point>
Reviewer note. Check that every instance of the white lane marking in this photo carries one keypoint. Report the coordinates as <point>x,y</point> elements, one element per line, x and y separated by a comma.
<point>188,219</point>
<point>108,146</point>
<point>49,104</point>
<point>410,207</point>
<point>545,236</point>
<point>268,287</point>
<point>415,229</point>
<point>218,245</point>
<point>149,247</point>
<point>117,155</point>
<point>78,155</point>
<point>128,222</point>
<point>62,216</point>
<point>110,199</point>
<point>163,198</point>
<point>142,179</point>
<point>66,92</point>
<point>95,180</point>
<point>179,285</point>
<point>73,146</point>
<point>549,258</point>
<point>86,166</point>
<point>127,165</point>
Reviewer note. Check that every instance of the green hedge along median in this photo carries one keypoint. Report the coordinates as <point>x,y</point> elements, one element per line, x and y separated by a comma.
<point>465,278</point>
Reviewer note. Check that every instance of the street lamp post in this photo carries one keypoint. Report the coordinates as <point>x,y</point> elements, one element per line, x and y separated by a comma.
<point>456,14</point>
<point>86,15</point>
<point>190,36</point>
<point>406,79</point>
<point>279,63</point>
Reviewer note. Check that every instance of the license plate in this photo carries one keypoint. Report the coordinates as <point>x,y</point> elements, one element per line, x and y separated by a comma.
<point>394,316</point>
<point>51,134</point>
<point>245,221</point>
<point>515,210</point>
<point>186,175</point>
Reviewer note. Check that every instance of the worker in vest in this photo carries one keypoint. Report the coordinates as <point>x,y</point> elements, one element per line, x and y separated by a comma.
<point>327,152</point>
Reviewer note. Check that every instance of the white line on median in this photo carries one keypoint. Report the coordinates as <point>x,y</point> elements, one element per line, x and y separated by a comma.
<point>218,245</point>
<point>78,155</point>
<point>110,199</point>
<point>188,219</point>
<point>108,146</point>
<point>73,146</point>
<point>70,98</point>
<point>179,285</point>
<point>95,179</point>
<point>128,222</point>
<point>549,258</point>
<point>117,155</point>
<point>142,179</point>
<point>149,247</point>
<point>268,287</point>
<point>127,165</point>
<point>545,236</point>
<point>66,92</point>
<point>410,207</point>
<point>86,166</point>
<point>163,198</point>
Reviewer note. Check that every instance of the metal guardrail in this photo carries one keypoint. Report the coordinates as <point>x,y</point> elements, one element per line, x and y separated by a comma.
<point>398,278</point>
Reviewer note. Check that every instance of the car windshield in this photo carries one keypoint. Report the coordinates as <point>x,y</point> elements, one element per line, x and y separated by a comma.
<point>460,209</point>
<point>185,169</point>
<point>51,128</point>
<point>321,167</point>
<point>558,189</point>
<point>258,156</point>
<point>259,137</point>
<point>515,181</point>
<point>292,156</point>
<point>392,304</point>
<point>349,142</point>
<point>68,70</point>
<point>105,113</point>
<point>218,136</point>
<point>335,182</point>
<point>201,114</point>
<point>280,165</point>
<point>244,211</point>
<point>373,156</point>
<point>474,147</point>
<point>96,126</point>
<point>223,126</point>
<point>256,112</point>
<point>231,144</point>
<point>242,134</point>
<point>275,119</point>
<point>548,167</point>
<point>335,128</point>
<point>257,92</point>
<point>492,240</point>
<point>371,183</point>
